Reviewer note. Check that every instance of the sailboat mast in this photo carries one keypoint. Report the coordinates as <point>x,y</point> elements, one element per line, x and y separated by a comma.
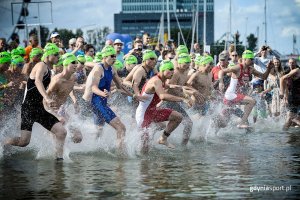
<point>204,24</point>
<point>265,22</point>
<point>197,26</point>
<point>168,18</point>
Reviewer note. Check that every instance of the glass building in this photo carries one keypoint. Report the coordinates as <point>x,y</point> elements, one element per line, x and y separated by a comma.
<point>139,16</point>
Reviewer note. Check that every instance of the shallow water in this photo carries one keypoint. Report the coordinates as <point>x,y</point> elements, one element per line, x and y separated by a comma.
<point>231,164</point>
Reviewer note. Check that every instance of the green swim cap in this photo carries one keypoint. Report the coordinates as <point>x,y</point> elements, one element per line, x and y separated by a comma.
<point>68,58</point>
<point>35,52</point>
<point>21,50</point>
<point>5,57</point>
<point>81,59</point>
<point>248,54</point>
<point>98,57</point>
<point>60,62</point>
<point>131,60</point>
<point>108,51</point>
<point>166,65</point>
<point>118,65</point>
<point>231,65</point>
<point>198,59</point>
<point>50,49</point>
<point>147,54</point>
<point>206,60</point>
<point>16,59</point>
<point>88,59</point>
<point>182,49</point>
<point>184,58</point>
<point>15,52</point>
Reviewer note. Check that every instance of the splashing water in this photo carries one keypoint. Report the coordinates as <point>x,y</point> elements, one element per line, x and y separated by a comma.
<point>43,143</point>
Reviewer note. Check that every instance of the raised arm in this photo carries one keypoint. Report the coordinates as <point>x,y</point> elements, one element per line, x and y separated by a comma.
<point>265,75</point>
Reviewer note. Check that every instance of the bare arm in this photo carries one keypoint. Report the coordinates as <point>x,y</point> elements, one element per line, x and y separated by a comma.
<point>265,75</point>
<point>284,78</point>
<point>136,80</point>
<point>235,69</point>
<point>118,83</point>
<point>192,78</point>
<point>95,82</point>
<point>163,95</point>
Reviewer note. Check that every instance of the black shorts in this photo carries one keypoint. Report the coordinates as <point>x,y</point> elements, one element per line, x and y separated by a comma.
<point>36,113</point>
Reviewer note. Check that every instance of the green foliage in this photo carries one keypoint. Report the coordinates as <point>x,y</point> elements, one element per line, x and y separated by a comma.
<point>252,42</point>
<point>66,35</point>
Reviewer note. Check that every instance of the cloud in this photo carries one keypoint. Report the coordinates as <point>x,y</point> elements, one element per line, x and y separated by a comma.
<point>290,30</point>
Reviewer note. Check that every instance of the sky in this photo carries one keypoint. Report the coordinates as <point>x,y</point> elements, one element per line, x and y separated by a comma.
<point>283,18</point>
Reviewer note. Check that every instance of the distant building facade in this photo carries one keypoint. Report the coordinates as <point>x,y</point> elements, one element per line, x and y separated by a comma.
<point>139,16</point>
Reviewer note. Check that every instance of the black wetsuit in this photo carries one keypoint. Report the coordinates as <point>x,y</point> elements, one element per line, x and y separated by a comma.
<point>32,109</point>
<point>294,96</point>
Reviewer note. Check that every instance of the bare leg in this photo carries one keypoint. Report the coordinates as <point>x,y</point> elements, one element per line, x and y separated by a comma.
<point>60,135</point>
<point>22,141</point>
<point>99,131</point>
<point>76,134</point>
<point>121,129</point>
<point>250,103</point>
<point>174,120</point>
<point>288,121</point>
<point>188,126</point>
<point>296,120</point>
<point>145,142</point>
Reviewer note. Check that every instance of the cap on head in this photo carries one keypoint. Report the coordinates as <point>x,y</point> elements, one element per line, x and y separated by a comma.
<point>35,52</point>
<point>68,58</point>
<point>5,57</point>
<point>21,50</point>
<point>50,49</point>
<point>88,59</point>
<point>166,65</point>
<point>81,59</point>
<point>72,41</point>
<point>118,65</point>
<point>108,51</point>
<point>131,60</point>
<point>198,59</point>
<point>118,41</point>
<point>15,52</point>
<point>206,60</point>
<point>54,34</point>
<point>257,82</point>
<point>98,57</point>
<point>248,54</point>
<point>182,49</point>
<point>17,59</point>
<point>184,58</point>
<point>223,56</point>
<point>147,54</point>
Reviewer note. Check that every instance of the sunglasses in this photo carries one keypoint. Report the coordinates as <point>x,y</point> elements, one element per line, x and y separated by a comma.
<point>152,58</point>
<point>56,54</point>
<point>74,62</point>
<point>113,56</point>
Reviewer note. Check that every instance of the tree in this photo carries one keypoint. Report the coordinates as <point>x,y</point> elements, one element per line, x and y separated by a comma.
<point>252,42</point>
